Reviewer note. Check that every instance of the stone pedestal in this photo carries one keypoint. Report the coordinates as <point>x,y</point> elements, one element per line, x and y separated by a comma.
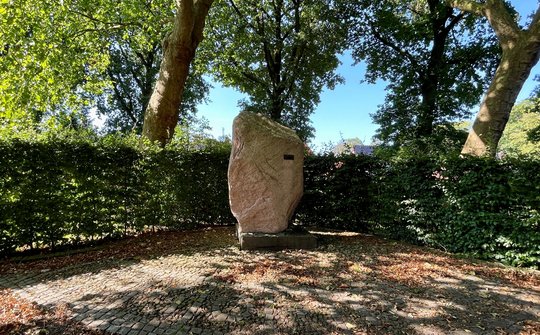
<point>298,239</point>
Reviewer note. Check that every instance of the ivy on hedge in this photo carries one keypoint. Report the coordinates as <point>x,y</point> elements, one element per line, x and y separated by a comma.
<point>71,191</point>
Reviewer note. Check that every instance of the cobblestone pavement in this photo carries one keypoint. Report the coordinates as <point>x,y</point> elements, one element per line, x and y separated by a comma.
<point>227,291</point>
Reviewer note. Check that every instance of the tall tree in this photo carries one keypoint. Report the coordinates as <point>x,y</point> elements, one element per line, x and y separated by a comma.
<point>132,73</point>
<point>54,56</point>
<point>520,52</point>
<point>179,48</point>
<point>436,61</point>
<point>281,53</point>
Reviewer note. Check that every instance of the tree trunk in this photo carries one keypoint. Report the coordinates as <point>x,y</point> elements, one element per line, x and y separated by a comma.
<point>520,53</point>
<point>429,86</point>
<point>488,127</point>
<point>179,47</point>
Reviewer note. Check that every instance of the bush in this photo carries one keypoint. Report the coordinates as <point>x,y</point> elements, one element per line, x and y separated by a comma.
<point>337,192</point>
<point>484,207</point>
<point>64,190</point>
<point>68,191</point>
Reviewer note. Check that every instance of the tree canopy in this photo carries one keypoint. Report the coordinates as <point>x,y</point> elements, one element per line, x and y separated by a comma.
<point>281,53</point>
<point>59,60</point>
<point>132,72</point>
<point>62,59</point>
<point>519,135</point>
<point>50,53</point>
<point>437,61</point>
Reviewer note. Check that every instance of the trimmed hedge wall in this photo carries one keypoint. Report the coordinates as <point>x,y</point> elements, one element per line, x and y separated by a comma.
<point>66,192</point>
<point>484,207</point>
<point>339,192</point>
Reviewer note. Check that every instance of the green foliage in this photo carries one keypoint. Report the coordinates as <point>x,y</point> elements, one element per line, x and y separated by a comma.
<point>487,208</point>
<point>522,131</point>
<point>135,54</point>
<point>281,53</point>
<point>61,57</point>
<point>70,189</point>
<point>337,192</point>
<point>50,52</point>
<point>437,62</point>
<point>476,206</point>
<point>446,140</point>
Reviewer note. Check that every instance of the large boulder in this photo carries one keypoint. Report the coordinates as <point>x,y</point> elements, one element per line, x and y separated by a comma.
<point>265,174</point>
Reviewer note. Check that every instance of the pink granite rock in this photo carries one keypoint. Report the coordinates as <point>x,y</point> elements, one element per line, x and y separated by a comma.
<point>265,174</point>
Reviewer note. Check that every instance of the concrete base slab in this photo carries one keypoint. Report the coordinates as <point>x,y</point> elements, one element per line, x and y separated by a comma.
<point>294,239</point>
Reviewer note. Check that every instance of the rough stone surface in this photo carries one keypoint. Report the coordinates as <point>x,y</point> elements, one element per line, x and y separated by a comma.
<point>265,174</point>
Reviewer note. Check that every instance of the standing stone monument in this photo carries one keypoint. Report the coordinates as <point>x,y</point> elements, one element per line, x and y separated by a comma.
<point>266,183</point>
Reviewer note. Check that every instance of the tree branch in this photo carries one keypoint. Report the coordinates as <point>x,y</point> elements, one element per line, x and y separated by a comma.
<point>297,51</point>
<point>242,16</point>
<point>124,104</point>
<point>455,21</point>
<point>184,21</point>
<point>502,22</point>
<point>107,23</point>
<point>470,6</point>
<point>255,79</point>
<point>250,76</point>
<point>397,49</point>
<point>130,68</point>
<point>534,27</point>
<point>496,13</point>
<point>92,30</point>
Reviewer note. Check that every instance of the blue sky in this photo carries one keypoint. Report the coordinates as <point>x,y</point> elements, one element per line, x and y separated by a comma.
<point>343,112</point>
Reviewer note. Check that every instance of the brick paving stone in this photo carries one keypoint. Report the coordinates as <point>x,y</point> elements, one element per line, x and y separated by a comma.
<point>95,324</point>
<point>113,329</point>
<point>149,328</point>
<point>170,331</point>
<point>159,331</point>
<point>184,293</point>
<point>118,322</point>
<point>104,326</point>
<point>123,331</point>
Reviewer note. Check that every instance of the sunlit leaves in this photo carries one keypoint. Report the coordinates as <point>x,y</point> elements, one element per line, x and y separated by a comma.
<point>54,53</point>
<point>524,120</point>
<point>48,56</point>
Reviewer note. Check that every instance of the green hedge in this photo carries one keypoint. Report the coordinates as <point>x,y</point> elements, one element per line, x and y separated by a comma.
<point>338,192</point>
<point>485,207</point>
<point>62,191</point>
<point>53,193</point>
